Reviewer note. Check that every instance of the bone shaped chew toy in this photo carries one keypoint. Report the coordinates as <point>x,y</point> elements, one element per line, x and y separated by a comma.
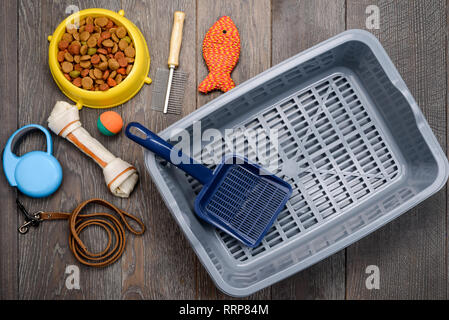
<point>120,176</point>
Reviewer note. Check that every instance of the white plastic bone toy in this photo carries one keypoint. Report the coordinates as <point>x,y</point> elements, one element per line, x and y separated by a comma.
<point>120,176</point>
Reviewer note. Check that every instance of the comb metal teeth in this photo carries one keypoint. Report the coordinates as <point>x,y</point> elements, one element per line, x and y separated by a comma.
<point>176,93</point>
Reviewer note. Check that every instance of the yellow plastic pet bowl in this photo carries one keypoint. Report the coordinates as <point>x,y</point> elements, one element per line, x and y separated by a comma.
<point>115,96</point>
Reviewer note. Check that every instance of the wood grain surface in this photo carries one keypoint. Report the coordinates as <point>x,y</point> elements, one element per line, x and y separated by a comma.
<point>411,252</point>
<point>8,92</point>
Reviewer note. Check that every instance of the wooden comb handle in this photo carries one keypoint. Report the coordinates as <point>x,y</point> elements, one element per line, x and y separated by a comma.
<point>176,38</point>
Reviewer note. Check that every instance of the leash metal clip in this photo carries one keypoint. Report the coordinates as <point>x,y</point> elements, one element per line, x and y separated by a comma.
<point>30,219</point>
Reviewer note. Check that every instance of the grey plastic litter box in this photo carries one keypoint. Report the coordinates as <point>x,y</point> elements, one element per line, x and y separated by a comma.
<point>353,144</point>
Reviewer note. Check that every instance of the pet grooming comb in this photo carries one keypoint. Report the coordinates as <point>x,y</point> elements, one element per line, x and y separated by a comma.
<point>176,96</point>
<point>170,99</point>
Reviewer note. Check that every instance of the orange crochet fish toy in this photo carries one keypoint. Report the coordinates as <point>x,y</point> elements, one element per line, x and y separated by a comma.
<point>221,50</point>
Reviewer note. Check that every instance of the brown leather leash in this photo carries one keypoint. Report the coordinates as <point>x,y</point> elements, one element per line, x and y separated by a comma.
<point>78,222</point>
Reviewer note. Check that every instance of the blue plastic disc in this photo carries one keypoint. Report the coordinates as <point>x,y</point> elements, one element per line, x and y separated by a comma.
<point>38,174</point>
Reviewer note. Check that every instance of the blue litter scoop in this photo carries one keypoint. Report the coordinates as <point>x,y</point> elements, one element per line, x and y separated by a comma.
<point>238,197</point>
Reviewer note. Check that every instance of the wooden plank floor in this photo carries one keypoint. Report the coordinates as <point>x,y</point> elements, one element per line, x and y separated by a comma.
<point>411,252</point>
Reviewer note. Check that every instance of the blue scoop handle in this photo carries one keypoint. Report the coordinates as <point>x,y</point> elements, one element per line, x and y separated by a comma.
<point>165,150</point>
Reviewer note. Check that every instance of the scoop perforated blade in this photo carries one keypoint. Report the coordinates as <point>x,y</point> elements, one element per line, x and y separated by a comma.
<point>241,201</point>
<point>238,197</point>
<point>177,90</point>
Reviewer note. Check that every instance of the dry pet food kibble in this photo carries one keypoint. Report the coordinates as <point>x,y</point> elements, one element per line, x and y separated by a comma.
<point>96,56</point>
